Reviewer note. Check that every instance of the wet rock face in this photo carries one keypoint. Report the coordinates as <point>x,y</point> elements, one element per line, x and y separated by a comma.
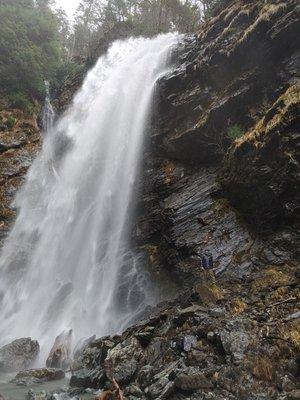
<point>220,215</point>
<point>239,72</point>
<point>211,92</point>
<point>193,225</point>
<point>203,197</point>
<point>240,62</point>
<point>19,143</point>
<point>18,355</point>
<point>261,171</point>
<point>35,376</point>
<point>60,354</point>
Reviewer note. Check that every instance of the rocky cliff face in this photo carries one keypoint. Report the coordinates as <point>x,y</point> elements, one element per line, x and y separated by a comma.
<point>19,142</point>
<point>240,73</point>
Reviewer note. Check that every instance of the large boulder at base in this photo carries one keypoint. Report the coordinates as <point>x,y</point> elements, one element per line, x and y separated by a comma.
<point>60,354</point>
<point>19,354</point>
<point>79,350</point>
<point>81,378</point>
<point>28,377</point>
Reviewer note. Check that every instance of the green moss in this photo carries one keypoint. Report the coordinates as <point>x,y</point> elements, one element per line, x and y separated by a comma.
<point>10,122</point>
<point>235,132</point>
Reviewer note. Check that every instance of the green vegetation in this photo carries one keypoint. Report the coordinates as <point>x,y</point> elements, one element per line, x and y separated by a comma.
<point>10,122</point>
<point>29,48</point>
<point>235,132</point>
<point>96,19</point>
<point>19,100</point>
<point>65,69</point>
<point>212,7</point>
<point>37,42</point>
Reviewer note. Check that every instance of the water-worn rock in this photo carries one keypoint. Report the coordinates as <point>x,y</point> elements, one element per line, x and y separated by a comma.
<point>60,354</point>
<point>31,395</point>
<point>25,378</point>
<point>19,354</point>
<point>81,378</point>
<point>81,346</point>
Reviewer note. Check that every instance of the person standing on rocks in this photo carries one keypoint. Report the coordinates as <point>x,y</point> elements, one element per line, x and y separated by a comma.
<point>207,261</point>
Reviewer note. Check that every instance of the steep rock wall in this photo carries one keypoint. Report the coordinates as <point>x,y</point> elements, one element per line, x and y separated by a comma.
<point>19,143</point>
<point>241,70</point>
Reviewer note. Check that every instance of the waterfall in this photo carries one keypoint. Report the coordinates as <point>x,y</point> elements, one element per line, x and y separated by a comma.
<point>48,112</point>
<point>66,263</point>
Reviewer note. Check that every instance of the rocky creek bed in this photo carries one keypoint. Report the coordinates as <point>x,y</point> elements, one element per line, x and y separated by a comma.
<point>11,391</point>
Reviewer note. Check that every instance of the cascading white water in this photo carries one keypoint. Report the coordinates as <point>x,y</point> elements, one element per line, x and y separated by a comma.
<point>66,263</point>
<point>48,111</point>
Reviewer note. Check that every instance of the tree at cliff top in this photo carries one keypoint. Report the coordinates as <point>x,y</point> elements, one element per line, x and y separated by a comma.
<point>95,19</point>
<point>29,47</point>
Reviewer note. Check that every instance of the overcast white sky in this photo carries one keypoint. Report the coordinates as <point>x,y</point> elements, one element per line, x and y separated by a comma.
<point>69,5</point>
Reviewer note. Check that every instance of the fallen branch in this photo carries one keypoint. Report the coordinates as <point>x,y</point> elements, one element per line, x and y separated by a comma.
<point>105,395</point>
<point>273,337</point>
<point>118,391</point>
<point>282,302</point>
<point>116,394</point>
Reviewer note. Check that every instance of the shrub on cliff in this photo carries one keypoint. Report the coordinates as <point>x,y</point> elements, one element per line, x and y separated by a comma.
<point>10,122</point>
<point>235,132</point>
<point>19,100</point>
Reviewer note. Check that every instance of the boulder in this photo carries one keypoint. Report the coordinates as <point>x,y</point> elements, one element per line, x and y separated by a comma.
<point>157,388</point>
<point>294,395</point>
<point>19,354</point>
<point>235,344</point>
<point>122,360</point>
<point>81,378</point>
<point>31,395</point>
<point>194,381</point>
<point>28,377</point>
<point>189,341</point>
<point>60,354</point>
<point>82,345</point>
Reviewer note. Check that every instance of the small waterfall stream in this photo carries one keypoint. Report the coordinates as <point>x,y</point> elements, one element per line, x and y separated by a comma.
<point>66,263</point>
<point>48,111</point>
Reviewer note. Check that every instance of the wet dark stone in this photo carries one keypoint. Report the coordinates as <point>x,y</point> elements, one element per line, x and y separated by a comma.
<point>81,378</point>
<point>19,354</point>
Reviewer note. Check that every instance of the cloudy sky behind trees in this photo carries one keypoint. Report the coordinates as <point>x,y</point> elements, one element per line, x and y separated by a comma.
<point>69,5</point>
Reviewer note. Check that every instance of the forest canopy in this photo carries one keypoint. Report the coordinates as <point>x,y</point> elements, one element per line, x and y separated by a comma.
<point>38,42</point>
<point>94,18</point>
<point>29,47</point>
